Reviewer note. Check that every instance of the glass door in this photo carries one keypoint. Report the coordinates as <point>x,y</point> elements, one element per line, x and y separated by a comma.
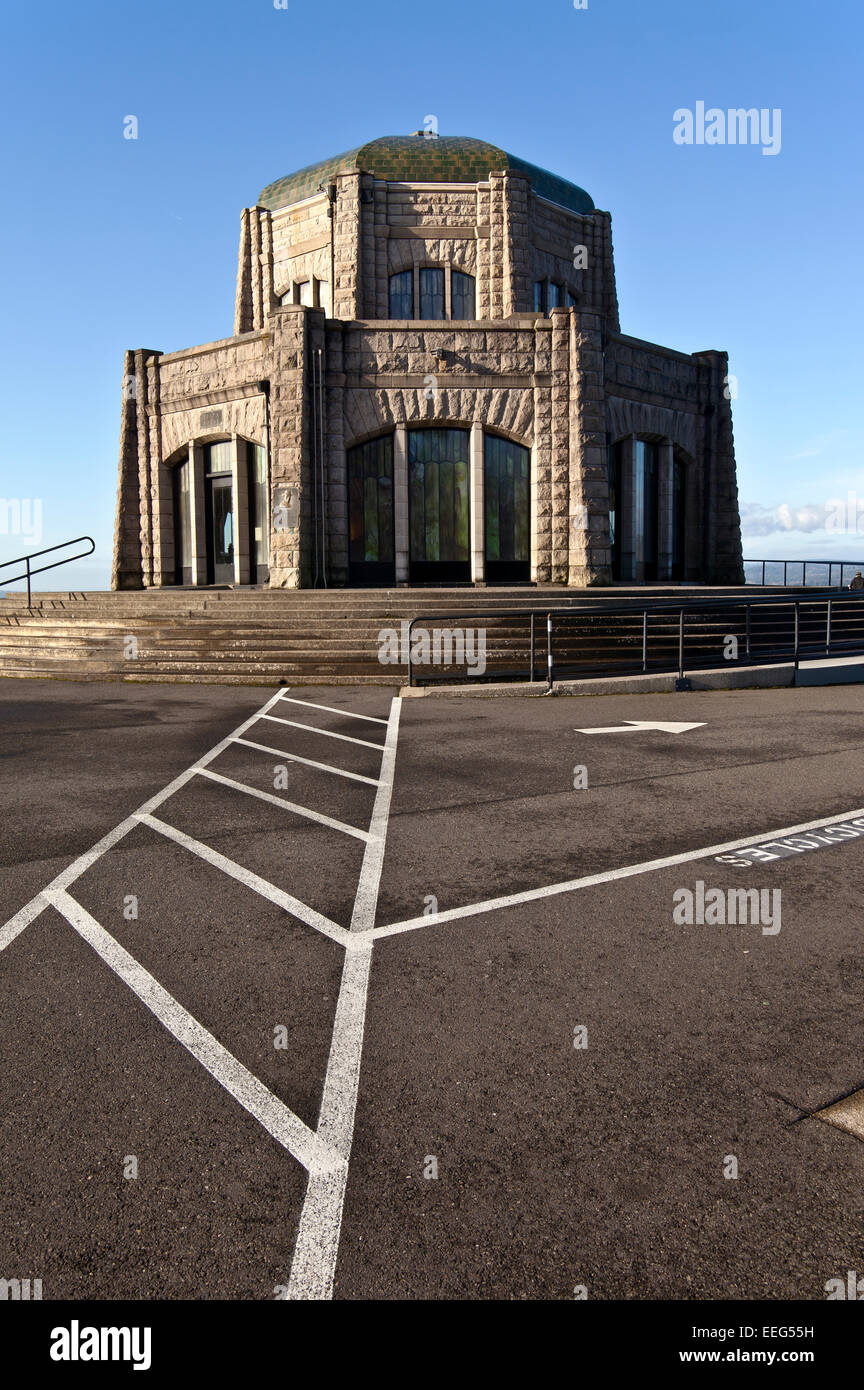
<point>438,496</point>
<point>508,510</point>
<point>371,545</point>
<point>219,494</point>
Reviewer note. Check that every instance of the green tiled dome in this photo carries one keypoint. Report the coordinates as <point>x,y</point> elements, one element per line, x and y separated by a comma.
<point>418,159</point>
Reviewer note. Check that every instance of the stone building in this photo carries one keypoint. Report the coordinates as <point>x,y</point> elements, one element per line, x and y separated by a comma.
<point>426,383</point>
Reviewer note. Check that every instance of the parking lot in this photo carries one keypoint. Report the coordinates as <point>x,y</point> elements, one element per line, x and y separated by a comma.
<point>312,993</point>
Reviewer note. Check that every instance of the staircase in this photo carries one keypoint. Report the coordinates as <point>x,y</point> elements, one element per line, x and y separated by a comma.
<point>252,636</point>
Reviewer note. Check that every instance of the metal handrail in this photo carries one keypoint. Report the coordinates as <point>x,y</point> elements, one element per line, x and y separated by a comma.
<point>843,565</point>
<point>576,609</point>
<point>28,572</point>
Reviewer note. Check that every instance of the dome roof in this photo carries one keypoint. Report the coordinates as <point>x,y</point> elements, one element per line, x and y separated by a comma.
<point>418,159</point>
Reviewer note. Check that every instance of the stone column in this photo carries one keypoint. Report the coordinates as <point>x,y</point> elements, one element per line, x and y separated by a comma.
<point>240,487</point>
<point>477,491</point>
<point>630,531</point>
<point>665,509</point>
<point>401,521</point>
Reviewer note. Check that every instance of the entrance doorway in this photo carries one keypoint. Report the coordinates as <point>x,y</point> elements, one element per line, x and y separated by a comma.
<point>371,543</point>
<point>219,503</point>
<point>508,511</point>
<point>438,505</point>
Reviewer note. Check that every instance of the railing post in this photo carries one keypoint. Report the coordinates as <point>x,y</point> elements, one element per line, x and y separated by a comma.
<point>28,582</point>
<point>549,650</point>
<point>797,622</point>
<point>410,664</point>
<point>531,673</point>
<point>763,574</point>
<point>749,658</point>
<point>828,631</point>
<point>681,644</point>
<point>785,564</point>
<point>645,640</point>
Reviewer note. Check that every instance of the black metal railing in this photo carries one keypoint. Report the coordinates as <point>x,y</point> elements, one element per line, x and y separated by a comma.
<point>833,567</point>
<point>28,572</point>
<point>602,639</point>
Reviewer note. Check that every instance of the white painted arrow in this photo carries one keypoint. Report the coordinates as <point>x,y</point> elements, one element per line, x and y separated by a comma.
<point>635,726</point>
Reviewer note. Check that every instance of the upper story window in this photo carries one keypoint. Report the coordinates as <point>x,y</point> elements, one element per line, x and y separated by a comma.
<point>551,294</point>
<point>402,295</point>
<point>314,293</point>
<point>432,293</point>
<point>462,296</point>
<point>439,292</point>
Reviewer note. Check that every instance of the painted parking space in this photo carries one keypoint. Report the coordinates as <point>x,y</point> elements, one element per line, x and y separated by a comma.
<point>585,1071</point>
<point>377,949</point>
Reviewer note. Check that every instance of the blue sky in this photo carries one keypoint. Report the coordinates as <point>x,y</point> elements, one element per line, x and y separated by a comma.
<point>110,243</point>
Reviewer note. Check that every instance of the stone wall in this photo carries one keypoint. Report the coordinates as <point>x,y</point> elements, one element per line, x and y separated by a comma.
<point>499,231</point>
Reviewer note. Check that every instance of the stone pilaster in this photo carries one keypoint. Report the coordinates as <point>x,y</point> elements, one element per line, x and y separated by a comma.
<point>589,540</point>
<point>483,288</point>
<point>721,539</point>
<point>560,444</point>
<point>541,470</point>
<point>347,257</point>
<point>292,447</point>
<point>126,569</point>
<point>516,287</point>
<point>337,469</point>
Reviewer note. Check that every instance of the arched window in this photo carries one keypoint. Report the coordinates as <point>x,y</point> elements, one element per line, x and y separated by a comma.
<point>402,295</point>
<point>371,546</point>
<point>507,469</point>
<point>462,296</point>
<point>438,494</point>
<point>432,292</point>
<point>431,288</point>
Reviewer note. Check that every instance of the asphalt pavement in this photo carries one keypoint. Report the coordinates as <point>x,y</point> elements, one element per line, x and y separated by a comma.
<point>312,993</point>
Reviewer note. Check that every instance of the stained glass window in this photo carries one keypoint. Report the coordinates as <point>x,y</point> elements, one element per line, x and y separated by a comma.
<point>370,508</point>
<point>508,508</point>
<point>438,475</point>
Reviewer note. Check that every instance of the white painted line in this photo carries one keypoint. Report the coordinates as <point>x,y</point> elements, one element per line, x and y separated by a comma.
<point>286,1128</point>
<point>349,713</point>
<point>590,880</point>
<point>22,919</point>
<point>250,880</point>
<point>308,762</point>
<point>80,865</point>
<point>286,804</point>
<point>366,901</point>
<point>314,1264</point>
<point>317,1246</point>
<point>637,726</point>
<point>326,733</point>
